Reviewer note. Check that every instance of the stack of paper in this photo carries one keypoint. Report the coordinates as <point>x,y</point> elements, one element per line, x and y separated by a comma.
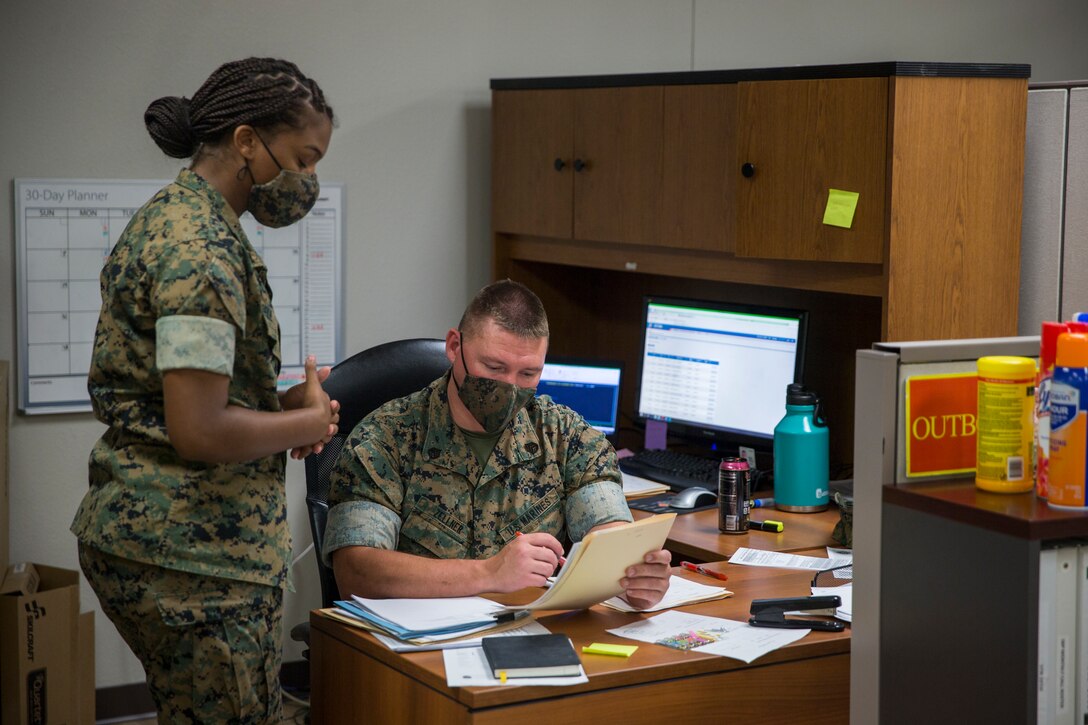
<point>427,620</point>
<point>845,593</point>
<point>636,486</point>
<point>681,591</point>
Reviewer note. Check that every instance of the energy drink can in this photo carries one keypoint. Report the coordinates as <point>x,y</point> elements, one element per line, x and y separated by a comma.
<point>734,490</point>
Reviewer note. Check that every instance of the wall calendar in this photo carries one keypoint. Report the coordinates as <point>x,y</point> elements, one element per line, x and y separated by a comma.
<point>65,228</point>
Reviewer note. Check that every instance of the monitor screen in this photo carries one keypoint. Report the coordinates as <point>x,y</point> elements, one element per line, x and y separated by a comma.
<point>718,370</point>
<point>590,388</point>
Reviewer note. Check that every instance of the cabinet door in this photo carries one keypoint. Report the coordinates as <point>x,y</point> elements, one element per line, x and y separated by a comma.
<point>532,183</point>
<point>617,162</point>
<point>698,208</point>
<point>801,139</point>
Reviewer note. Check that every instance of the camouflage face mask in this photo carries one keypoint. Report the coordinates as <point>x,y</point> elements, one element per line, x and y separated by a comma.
<point>285,199</point>
<point>492,403</point>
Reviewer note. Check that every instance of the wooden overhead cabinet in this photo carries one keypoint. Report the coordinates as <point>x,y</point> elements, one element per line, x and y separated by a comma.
<point>532,188</point>
<point>797,141</point>
<point>647,165</point>
<point>714,184</point>
<point>581,164</point>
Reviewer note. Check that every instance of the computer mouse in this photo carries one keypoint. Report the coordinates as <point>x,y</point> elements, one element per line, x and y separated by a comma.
<point>692,497</point>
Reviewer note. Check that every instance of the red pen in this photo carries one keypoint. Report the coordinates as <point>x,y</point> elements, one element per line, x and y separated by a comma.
<point>562,559</point>
<point>700,569</point>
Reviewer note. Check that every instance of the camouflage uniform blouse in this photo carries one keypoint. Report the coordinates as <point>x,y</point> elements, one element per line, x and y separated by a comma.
<point>407,480</point>
<point>183,288</point>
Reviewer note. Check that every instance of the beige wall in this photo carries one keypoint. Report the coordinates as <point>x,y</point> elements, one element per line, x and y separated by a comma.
<point>409,81</point>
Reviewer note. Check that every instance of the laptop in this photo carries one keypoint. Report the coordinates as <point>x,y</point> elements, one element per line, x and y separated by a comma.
<point>587,386</point>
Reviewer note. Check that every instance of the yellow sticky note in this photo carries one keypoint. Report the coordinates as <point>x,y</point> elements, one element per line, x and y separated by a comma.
<point>840,208</point>
<point>615,650</point>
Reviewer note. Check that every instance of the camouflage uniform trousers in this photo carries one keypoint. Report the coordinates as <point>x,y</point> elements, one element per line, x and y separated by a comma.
<point>211,647</point>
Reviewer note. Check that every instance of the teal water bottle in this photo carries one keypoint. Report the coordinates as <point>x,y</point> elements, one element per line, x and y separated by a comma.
<point>801,454</point>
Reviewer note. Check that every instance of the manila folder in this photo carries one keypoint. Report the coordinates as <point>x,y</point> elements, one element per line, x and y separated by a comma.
<point>592,573</point>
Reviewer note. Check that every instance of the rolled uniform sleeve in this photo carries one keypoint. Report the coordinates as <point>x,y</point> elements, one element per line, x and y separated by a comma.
<point>199,301</point>
<point>595,492</point>
<point>200,343</point>
<point>594,504</point>
<point>365,493</point>
<point>359,523</point>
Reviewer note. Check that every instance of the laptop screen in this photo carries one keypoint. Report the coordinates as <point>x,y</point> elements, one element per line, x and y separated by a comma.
<point>590,388</point>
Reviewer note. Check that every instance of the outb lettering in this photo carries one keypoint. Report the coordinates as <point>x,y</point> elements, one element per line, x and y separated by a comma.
<point>937,427</point>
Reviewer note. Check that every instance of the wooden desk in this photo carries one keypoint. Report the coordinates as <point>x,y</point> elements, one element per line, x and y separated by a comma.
<point>355,679</point>
<point>696,536</point>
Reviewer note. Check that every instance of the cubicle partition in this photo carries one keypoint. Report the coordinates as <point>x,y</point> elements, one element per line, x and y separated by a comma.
<point>1054,232</point>
<point>879,459</point>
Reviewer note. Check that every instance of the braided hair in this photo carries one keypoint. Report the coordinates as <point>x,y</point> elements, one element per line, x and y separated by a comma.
<point>259,92</point>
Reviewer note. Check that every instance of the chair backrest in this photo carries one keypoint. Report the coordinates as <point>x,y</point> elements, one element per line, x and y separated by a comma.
<point>362,383</point>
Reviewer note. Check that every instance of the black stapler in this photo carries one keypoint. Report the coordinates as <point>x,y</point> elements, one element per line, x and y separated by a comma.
<point>772,613</point>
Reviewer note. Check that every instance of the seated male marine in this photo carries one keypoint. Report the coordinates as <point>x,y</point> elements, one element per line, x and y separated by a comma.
<point>431,490</point>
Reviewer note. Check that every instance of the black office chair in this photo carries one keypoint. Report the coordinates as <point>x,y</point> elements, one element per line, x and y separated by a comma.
<point>362,383</point>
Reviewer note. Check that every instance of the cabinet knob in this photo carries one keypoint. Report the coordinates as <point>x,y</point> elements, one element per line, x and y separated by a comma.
<point>580,165</point>
<point>559,164</point>
<point>748,170</point>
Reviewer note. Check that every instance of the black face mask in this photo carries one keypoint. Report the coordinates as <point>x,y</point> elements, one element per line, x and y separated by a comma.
<point>491,402</point>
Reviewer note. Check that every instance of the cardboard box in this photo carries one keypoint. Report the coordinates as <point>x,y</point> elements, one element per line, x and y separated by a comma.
<point>45,668</point>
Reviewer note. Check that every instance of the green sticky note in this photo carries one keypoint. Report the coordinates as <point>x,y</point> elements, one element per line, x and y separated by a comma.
<point>840,208</point>
<point>615,650</point>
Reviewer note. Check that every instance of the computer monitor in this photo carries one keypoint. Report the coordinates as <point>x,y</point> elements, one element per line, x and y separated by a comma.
<point>718,371</point>
<point>590,388</point>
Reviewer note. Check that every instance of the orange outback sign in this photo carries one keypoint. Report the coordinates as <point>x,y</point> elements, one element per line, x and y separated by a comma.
<point>941,417</point>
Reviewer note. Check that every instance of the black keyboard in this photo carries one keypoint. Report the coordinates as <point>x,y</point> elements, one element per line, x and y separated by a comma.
<point>679,470</point>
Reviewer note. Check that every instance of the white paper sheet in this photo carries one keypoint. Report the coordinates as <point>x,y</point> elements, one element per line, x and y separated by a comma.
<point>467,667</point>
<point>711,635</point>
<point>778,560</point>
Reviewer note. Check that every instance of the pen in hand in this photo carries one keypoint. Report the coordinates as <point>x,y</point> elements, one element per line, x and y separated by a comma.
<point>700,569</point>
<point>562,559</point>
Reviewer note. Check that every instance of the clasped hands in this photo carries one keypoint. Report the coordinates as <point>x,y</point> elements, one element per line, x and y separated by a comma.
<point>309,394</point>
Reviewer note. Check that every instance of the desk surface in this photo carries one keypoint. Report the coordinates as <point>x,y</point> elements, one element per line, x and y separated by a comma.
<point>355,678</point>
<point>696,536</point>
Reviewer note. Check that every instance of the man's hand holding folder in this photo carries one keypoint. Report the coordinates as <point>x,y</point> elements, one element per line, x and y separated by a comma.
<point>525,559</point>
<point>610,560</point>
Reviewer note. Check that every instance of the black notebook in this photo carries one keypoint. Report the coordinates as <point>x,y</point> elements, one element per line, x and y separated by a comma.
<point>534,655</point>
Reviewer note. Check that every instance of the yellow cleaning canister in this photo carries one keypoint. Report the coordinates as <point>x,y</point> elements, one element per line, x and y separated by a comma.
<point>1006,401</point>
